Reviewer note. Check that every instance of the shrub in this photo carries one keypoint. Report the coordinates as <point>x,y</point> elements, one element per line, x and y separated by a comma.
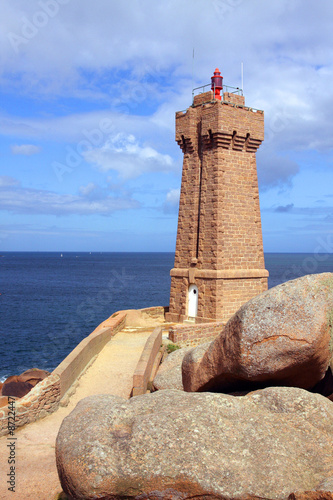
<point>172,347</point>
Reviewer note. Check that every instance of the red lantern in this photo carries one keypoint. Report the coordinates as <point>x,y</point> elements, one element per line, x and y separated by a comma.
<point>217,83</point>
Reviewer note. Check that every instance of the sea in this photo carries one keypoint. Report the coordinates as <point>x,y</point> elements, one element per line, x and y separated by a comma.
<point>50,301</point>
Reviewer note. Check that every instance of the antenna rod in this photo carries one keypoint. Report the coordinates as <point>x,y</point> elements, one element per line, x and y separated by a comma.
<point>242,73</point>
<point>192,74</point>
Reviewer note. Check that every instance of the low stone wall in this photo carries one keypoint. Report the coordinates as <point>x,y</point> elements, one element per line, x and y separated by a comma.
<point>145,365</point>
<point>45,397</point>
<point>76,361</point>
<point>186,335</point>
<point>149,316</point>
<point>156,313</point>
<point>42,400</point>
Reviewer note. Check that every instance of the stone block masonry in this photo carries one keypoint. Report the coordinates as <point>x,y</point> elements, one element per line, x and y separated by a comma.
<point>41,401</point>
<point>145,365</point>
<point>192,335</point>
<point>219,249</point>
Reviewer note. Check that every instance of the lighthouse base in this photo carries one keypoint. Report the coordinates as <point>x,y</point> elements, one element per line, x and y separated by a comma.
<point>220,292</point>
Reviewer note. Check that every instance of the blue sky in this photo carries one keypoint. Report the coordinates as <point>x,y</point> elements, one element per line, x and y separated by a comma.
<point>88,94</point>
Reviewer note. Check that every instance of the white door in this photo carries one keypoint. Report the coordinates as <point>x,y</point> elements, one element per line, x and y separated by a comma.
<point>192,301</point>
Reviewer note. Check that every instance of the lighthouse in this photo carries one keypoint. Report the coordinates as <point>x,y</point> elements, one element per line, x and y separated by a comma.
<point>219,259</point>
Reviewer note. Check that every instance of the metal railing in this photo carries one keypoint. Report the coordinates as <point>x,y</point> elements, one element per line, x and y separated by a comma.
<point>225,88</point>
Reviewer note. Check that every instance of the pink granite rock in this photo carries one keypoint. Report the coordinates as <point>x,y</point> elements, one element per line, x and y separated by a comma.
<point>177,445</point>
<point>34,375</point>
<point>280,337</point>
<point>169,375</point>
<point>15,386</point>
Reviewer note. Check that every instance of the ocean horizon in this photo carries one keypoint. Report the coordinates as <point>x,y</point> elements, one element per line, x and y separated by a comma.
<point>50,301</point>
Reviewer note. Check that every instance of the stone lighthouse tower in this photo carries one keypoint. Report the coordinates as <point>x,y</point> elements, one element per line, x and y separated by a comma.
<point>219,260</point>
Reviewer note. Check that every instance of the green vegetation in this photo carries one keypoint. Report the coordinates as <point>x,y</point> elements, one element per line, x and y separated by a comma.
<point>114,315</point>
<point>61,496</point>
<point>172,347</point>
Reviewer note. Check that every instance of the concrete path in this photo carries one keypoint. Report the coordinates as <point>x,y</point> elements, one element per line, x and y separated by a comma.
<point>111,373</point>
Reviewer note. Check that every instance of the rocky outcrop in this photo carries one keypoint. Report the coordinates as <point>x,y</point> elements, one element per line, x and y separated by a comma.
<point>280,337</point>
<point>173,444</point>
<point>169,375</point>
<point>15,386</point>
<point>34,375</point>
<point>20,385</point>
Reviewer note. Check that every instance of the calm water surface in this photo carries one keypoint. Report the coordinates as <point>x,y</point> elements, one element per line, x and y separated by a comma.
<point>49,302</point>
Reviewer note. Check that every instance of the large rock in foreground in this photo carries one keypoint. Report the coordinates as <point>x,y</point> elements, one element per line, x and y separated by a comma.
<point>172,444</point>
<point>281,337</point>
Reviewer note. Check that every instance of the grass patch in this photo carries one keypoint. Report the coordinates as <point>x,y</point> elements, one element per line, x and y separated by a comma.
<point>114,315</point>
<point>172,347</point>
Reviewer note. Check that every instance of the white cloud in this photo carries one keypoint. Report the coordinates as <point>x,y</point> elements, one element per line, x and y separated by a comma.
<point>40,230</point>
<point>19,200</point>
<point>275,169</point>
<point>288,71</point>
<point>6,181</point>
<point>88,189</point>
<point>91,127</point>
<point>172,196</point>
<point>172,201</point>
<point>159,36</point>
<point>124,154</point>
<point>25,149</point>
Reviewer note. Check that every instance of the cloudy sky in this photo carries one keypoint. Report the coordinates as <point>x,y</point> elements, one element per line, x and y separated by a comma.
<point>88,93</point>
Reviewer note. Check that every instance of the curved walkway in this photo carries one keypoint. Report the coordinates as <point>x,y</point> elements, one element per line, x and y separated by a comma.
<point>110,373</point>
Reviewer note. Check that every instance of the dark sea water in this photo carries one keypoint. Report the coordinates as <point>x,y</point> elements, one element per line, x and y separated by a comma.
<point>49,302</point>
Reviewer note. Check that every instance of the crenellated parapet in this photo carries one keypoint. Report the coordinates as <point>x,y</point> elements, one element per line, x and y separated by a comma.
<point>227,124</point>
